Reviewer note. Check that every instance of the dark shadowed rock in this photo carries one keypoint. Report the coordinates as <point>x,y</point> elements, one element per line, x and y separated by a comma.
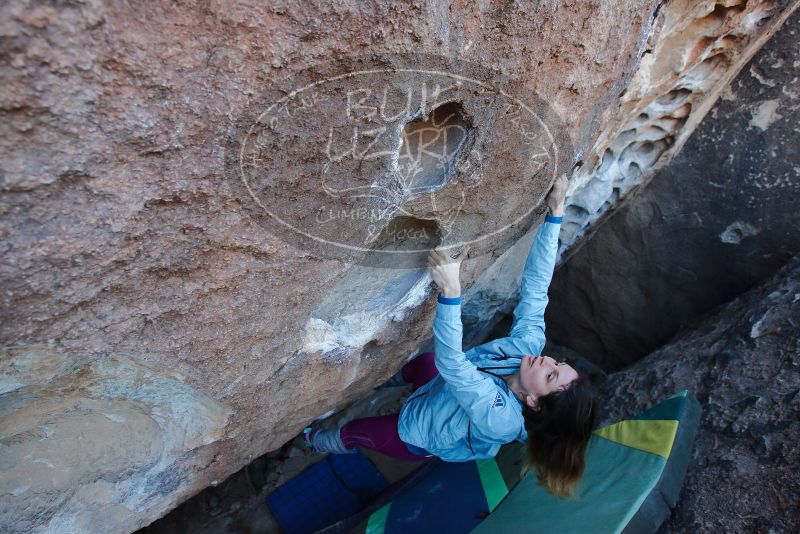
<point>743,364</point>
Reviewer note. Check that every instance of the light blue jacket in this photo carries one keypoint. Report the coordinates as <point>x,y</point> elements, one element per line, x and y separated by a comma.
<point>468,412</point>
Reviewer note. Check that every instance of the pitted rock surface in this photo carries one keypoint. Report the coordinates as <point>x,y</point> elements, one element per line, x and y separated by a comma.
<point>721,217</point>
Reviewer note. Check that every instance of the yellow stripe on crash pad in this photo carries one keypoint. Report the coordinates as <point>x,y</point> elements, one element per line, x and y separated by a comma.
<point>650,435</point>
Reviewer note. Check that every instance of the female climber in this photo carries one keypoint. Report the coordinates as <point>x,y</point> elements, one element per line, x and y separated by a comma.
<point>464,406</point>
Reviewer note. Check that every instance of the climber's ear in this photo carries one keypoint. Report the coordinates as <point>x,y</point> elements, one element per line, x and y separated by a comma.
<point>532,402</point>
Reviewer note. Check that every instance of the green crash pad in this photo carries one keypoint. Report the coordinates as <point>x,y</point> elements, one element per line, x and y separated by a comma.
<point>634,472</point>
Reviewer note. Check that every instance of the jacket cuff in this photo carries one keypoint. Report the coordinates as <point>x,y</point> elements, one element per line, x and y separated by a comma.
<point>448,312</point>
<point>554,219</point>
<point>448,300</point>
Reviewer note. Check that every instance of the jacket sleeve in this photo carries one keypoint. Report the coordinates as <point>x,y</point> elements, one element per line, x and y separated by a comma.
<point>474,391</point>
<point>529,313</point>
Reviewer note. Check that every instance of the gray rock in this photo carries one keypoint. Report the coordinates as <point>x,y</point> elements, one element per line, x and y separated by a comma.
<point>71,458</point>
<point>743,474</point>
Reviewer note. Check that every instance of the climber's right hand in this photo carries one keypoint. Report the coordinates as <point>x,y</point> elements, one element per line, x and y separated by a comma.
<point>445,271</point>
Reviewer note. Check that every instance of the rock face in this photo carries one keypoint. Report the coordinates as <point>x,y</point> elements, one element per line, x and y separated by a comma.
<point>743,365</point>
<point>80,432</point>
<point>138,151</point>
<point>689,61</point>
<point>722,216</point>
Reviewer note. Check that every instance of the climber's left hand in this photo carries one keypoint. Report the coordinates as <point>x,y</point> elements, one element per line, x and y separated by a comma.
<point>557,195</point>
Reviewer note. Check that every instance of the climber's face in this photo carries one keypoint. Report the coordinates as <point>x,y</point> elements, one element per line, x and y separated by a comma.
<point>542,375</point>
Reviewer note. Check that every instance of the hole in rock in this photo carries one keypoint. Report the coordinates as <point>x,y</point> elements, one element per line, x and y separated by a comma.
<point>712,22</point>
<point>704,73</point>
<point>682,112</point>
<point>724,43</point>
<point>625,137</point>
<point>674,98</point>
<point>638,121</point>
<point>701,47</point>
<point>574,212</point>
<point>432,146</point>
<point>570,228</point>
<point>389,279</point>
<point>728,8</point>
<point>656,132</point>
<point>646,153</point>
<point>633,171</point>
<point>608,160</point>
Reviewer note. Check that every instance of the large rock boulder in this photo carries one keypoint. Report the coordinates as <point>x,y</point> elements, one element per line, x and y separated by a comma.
<point>743,364</point>
<point>141,144</point>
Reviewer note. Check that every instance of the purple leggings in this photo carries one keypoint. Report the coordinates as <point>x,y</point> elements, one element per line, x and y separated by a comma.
<point>380,433</point>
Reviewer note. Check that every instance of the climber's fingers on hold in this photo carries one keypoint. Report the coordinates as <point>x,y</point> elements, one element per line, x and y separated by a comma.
<point>560,185</point>
<point>443,258</point>
<point>438,256</point>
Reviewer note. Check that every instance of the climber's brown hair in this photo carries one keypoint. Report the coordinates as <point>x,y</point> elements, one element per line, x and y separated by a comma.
<point>557,436</point>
